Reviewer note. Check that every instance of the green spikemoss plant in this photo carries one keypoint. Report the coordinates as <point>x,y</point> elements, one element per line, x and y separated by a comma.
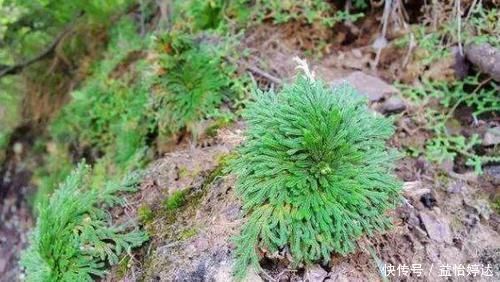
<point>314,173</point>
<point>193,87</point>
<point>74,238</point>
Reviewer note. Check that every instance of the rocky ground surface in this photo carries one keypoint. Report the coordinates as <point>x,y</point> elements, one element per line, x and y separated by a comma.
<point>15,213</point>
<point>443,226</point>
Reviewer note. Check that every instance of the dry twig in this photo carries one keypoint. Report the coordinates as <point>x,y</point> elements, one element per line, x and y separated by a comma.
<point>15,69</point>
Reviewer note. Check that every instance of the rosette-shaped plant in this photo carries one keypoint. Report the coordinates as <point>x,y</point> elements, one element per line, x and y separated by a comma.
<point>314,173</point>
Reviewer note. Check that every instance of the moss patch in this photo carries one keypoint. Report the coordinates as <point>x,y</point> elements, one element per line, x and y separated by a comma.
<point>188,233</point>
<point>175,201</point>
<point>145,214</point>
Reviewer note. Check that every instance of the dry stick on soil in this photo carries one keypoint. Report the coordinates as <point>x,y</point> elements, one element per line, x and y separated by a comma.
<point>471,9</point>
<point>382,37</point>
<point>264,74</point>
<point>485,57</point>
<point>166,14</point>
<point>256,71</point>
<point>459,26</point>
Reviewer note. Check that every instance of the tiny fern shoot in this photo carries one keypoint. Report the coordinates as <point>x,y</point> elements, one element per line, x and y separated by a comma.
<point>73,238</point>
<point>314,173</point>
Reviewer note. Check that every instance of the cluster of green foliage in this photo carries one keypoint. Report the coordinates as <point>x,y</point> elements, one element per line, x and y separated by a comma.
<point>313,174</point>
<point>430,47</point>
<point>107,117</point>
<point>439,117</point>
<point>315,11</point>
<point>483,25</point>
<point>74,236</point>
<point>29,26</point>
<point>124,104</point>
<point>220,14</point>
<point>145,214</point>
<point>433,42</point>
<point>27,29</point>
<point>175,201</point>
<point>440,99</point>
<point>193,86</point>
<point>204,15</point>
<point>98,110</point>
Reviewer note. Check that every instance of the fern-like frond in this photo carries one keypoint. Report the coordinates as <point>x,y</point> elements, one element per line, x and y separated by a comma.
<point>73,238</point>
<point>314,173</point>
<point>193,87</point>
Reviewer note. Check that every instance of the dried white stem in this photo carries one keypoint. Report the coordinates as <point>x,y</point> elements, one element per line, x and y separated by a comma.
<point>302,65</point>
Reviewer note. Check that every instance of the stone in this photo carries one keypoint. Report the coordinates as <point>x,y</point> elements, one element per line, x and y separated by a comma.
<point>428,200</point>
<point>393,105</point>
<point>252,276</point>
<point>438,229</point>
<point>492,136</point>
<point>414,190</point>
<point>481,206</point>
<point>493,172</point>
<point>372,87</point>
<point>315,273</point>
<point>357,53</point>
<point>224,274</point>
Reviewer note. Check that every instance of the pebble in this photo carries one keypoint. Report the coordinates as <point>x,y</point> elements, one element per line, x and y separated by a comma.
<point>393,105</point>
<point>315,273</point>
<point>372,87</point>
<point>492,136</point>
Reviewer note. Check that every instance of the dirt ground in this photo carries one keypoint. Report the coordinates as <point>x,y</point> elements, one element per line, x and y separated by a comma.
<point>443,228</point>
<point>442,223</point>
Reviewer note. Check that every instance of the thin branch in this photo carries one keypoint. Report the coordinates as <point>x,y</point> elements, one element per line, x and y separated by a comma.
<point>459,26</point>
<point>15,69</point>
<point>471,10</point>
<point>264,74</point>
<point>256,70</point>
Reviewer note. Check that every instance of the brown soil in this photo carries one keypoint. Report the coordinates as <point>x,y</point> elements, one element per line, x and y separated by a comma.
<point>15,214</point>
<point>444,218</point>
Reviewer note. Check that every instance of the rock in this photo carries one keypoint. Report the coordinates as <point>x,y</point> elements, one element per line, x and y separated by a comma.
<point>18,148</point>
<point>485,57</point>
<point>414,191</point>
<point>393,105</point>
<point>339,278</point>
<point>493,172</point>
<point>372,87</point>
<point>428,200</point>
<point>456,187</point>
<point>224,274</point>
<point>492,136</point>
<point>481,206</point>
<point>419,233</point>
<point>315,273</point>
<point>357,53</point>
<point>252,276</point>
<point>438,229</point>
